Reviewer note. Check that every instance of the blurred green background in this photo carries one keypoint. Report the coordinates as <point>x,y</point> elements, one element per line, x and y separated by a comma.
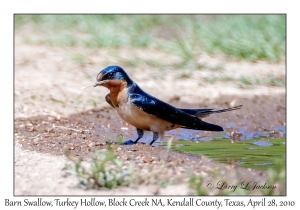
<point>248,37</point>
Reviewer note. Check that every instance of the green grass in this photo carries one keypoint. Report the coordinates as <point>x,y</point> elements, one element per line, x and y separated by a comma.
<point>247,81</point>
<point>258,81</point>
<point>106,171</point>
<point>243,153</point>
<point>249,37</point>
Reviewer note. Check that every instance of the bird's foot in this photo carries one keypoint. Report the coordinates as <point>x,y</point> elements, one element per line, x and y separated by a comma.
<point>130,142</point>
<point>157,145</point>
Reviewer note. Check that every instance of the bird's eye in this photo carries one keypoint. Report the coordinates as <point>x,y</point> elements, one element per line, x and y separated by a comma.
<point>111,74</point>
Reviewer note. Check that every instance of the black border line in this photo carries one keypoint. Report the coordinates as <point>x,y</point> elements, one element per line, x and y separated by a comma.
<point>14,31</point>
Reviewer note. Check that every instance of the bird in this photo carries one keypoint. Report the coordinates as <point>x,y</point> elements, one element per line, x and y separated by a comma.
<point>147,113</point>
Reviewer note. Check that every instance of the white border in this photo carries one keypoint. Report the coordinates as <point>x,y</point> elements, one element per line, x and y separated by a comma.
<point>8,8</point>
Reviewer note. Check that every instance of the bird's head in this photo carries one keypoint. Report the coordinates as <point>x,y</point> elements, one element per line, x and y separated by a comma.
<point>112,76</point>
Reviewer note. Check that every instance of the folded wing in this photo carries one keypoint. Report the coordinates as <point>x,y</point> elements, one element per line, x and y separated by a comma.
<point>165,111</point>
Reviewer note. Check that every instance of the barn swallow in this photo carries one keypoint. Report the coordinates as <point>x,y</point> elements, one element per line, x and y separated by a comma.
<point>146,112</point>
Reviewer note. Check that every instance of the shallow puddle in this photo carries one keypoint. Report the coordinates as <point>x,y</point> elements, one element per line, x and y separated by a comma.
<point>260,154</point>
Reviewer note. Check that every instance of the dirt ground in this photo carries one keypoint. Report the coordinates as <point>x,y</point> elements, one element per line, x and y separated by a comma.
<point>52,114</point>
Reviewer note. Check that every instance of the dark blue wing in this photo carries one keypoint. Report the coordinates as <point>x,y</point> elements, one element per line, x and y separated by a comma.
<point>165,111</point>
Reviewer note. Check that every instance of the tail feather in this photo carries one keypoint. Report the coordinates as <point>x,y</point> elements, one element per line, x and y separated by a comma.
<point>201,113</point>
<point>206,127</point>
<point>212,127</point>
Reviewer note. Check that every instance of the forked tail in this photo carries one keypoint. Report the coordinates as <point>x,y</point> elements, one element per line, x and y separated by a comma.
<point>201,113</point>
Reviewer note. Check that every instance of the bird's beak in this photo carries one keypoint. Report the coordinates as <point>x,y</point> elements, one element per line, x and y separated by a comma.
<point>101,83</point>
<point>99,78</point>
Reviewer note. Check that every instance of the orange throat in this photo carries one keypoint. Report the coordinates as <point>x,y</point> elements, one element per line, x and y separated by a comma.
<point>118,93</point>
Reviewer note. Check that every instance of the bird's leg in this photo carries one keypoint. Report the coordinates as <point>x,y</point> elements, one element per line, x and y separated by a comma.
<point>140,135</point>
<point>161,138</point>
<point>155,137</point>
